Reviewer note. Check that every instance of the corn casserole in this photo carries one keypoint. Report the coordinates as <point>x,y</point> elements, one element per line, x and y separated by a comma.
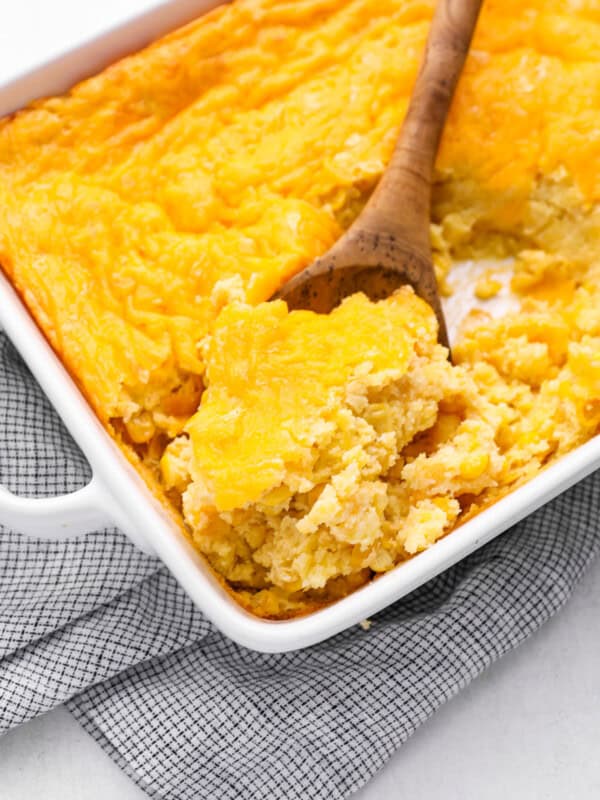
<point>147,216</point>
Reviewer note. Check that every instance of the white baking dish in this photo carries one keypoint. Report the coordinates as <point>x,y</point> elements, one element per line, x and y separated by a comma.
<point>117,495</point>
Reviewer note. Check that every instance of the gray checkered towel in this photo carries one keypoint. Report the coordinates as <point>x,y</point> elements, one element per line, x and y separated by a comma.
<point>188,714</point>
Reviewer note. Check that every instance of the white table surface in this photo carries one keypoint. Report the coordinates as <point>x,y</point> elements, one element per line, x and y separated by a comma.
<point>528,729</point>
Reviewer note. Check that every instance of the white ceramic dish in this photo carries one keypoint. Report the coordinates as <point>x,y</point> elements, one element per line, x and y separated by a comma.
<point>117,495</point>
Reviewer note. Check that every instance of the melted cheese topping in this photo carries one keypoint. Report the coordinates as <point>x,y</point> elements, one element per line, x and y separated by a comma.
<point>236,146</point>
<point>273,375</point>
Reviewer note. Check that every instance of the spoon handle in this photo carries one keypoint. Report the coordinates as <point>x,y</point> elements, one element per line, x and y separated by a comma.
<point>400,204</point>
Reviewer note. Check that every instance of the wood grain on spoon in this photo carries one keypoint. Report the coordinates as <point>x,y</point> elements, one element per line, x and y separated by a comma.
<point>388,244</point>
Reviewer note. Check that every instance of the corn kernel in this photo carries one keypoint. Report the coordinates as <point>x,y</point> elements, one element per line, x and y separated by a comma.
<point>487,286</point>
<point>474,466</point>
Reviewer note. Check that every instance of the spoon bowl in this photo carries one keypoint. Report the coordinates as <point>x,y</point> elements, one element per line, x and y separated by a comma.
<point>376,264</point>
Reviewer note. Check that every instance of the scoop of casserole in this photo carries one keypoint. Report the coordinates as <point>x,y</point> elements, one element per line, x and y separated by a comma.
<point>328,447</point>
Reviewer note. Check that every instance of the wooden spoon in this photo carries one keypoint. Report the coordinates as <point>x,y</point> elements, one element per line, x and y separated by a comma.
<point>388,244</point>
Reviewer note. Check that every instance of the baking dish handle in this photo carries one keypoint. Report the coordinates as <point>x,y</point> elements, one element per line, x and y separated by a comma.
<point>61,517</point>
<point>83,511</point>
